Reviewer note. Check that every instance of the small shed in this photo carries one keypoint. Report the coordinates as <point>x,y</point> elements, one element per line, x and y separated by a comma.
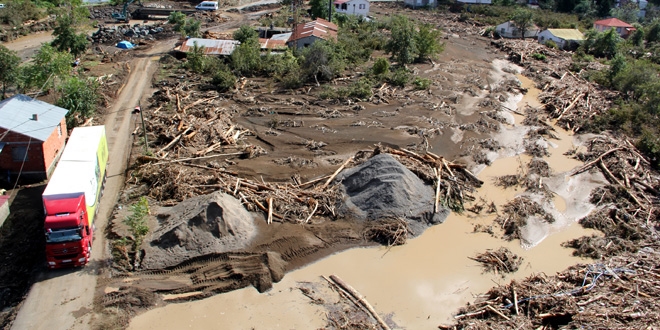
<point>352,7</point>
<point>32,137</point>
<point>211,46</point>
<point>564,38</point>
<point>510,30</point>
<point>622,28</point>
<point>306,34</point>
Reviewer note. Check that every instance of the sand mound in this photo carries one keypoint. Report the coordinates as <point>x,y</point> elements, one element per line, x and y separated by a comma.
<point>383,188</point>
<point>198,226</point>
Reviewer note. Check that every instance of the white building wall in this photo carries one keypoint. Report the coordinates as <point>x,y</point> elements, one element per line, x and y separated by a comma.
<point>354,7</point>
<point>546,35</point>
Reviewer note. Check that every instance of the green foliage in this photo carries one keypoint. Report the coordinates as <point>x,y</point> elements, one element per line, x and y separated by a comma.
<point>637,80</point>
<point>539,57</point>
<point>80,96</point>
<point>137,221</point>
<point>649,144</point>
<point>422,83</point>
<point>637,38</point>
<point>602,44</point>
<point>9,70</point>
<point>627,12</point>
<point>653,32</point>
<point>428,43</point>
<point>223,80</point>
<point>245,33</point>
<point>402,43</point>
<point>18,11</point>
<point>551,44</point>
<point>284,68</point>
<point>319,8</point>
<point>523,19</point>
<point>381,67</point>
<point>400,77</point>
<point>66,38</point>
<point>246,58</point>
<point>360,89</point>
<point>187,27</point>
<point>196,58</point>
<point>617,64</point>
<point>321,61</point>
<point>585,8</point>
<point>47,66</point>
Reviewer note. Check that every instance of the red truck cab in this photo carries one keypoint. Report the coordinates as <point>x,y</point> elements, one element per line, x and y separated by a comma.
<point>68,233</point>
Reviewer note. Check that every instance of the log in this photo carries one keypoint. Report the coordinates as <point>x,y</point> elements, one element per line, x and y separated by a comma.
<point>332,177</point>
<point>176,139</point>
<point>438,174</point>
<point>593,162</point>
<point>345,286</point>
<point>498,312</point>
<point>312,214</point>
<point>198,102</point>
<point>515,298</point>
<point>313,181</point>
<point>269,220</point>
<point>570,106</point>
<point>193,158</point>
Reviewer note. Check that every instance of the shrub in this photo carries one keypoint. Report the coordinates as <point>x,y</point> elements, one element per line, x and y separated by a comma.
<point>551,44</point>
<point>360,89</point>
<point>381,67</point>
<point>223,80</point>
<point>400,77</point>
<point>422,83</point>
<point>539,57</point>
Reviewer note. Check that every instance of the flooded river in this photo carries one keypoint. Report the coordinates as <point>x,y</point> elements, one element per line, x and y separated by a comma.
<point>418,285</point>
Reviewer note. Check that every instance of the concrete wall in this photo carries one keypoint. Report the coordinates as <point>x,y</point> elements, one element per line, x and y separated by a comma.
<point>544,36</point>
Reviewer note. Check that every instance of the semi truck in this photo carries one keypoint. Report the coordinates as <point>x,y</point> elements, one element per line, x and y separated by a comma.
<point>72,196</point>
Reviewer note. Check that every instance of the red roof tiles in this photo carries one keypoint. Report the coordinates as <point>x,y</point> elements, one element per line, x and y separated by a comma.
<point>319,28</point>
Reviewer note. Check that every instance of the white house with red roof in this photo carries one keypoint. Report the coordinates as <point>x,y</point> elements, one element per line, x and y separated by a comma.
<point>622,28</point>
<point>306,34</point>
<point>352,7</point>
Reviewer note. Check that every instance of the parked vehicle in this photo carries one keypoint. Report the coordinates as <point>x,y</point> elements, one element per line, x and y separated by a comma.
<point>207,5</point>
<point>2,5</point>
<point>72,196</point>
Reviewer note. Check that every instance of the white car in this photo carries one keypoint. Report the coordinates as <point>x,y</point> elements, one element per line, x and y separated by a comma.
<point>2,5</point>
<point>207,5</point>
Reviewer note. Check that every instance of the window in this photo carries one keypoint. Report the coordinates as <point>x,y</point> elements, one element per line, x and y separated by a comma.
<point>363,6</point>
<point>59,130</point>
<point>18,154</point>
<point>344,6</point>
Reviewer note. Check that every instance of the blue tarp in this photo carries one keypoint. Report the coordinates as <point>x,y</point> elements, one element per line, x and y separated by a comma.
<point>125,45</point>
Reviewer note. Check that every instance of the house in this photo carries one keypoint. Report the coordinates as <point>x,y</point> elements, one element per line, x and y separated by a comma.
<point>564,38</point>
<point>510,30</point>
<point>306,34</point>
<point>352,7</point>
<point>32,137</point>
<point>420,3</point>
<point>622,28</point>
<point>476,2</point>
<point>211,46</point>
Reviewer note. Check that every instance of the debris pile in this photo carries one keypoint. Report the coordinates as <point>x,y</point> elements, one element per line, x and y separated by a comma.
<point>516,215</point>
<point>500,261</point>
<point>25,29</point>
<point>113,34</point>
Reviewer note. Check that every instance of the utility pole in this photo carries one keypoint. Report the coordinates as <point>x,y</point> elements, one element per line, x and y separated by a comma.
<point>330,11</point>
<point>144,129</point>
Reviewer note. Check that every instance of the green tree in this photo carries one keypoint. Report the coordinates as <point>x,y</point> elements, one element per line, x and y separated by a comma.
<point>605,44</point>
<point>66,38</point>
<point>627,12</point>
<point>178,20</point>
<point>522,19</point>
<point>319,8</point>
<point>585,8</point>
<point>193,28</point>
<point>653,32</point>
<point>223,80</point>
<point>320,61</point>
<point>9,68</point>
<point>246,58</point>
<point>18,11</point>
<point>80,97</point>
<point>402,43</point>
<point>196,58</point>
<point>381,67</point>
<point>636,78</point>
<point>47,66</point>
<point>617,64</point>
<point>604,7</point>
<point>428,43</point>
<point>245,33</point>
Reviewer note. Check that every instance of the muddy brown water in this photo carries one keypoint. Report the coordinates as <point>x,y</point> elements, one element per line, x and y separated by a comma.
<point>420,284</point>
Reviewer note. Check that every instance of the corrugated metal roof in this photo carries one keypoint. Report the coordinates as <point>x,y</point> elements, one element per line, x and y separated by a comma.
<point>272,44</point>
<point>281,36</point>
<point>16,115</point>
<point>567,34</point>
<point>319,28</point>
<point>211,46</point>
<point>83,144</point>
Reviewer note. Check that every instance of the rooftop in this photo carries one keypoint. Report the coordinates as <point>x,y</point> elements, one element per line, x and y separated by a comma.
<point>211,46</point>
<point>613,22</point>
<point>319,28</point>
<point>567,34</point>
<point>17,115</point>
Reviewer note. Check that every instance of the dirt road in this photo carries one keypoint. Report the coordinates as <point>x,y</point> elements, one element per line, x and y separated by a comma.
<point>64,297</point>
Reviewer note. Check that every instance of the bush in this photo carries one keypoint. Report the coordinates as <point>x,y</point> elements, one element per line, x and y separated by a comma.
<point>422,83</point>
<point>223,80</point>
<point>381,67</point>
<point>551,44</point>
<point>400,77</point>
<point>539,57</point>
<point>360,89</point>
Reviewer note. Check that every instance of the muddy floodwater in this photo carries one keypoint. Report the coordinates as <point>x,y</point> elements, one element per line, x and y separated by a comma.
<point>423,283</point>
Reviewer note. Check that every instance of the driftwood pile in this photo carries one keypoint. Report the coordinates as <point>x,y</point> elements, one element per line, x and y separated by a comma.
<point>500,261</point>
<point>515,214</point>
